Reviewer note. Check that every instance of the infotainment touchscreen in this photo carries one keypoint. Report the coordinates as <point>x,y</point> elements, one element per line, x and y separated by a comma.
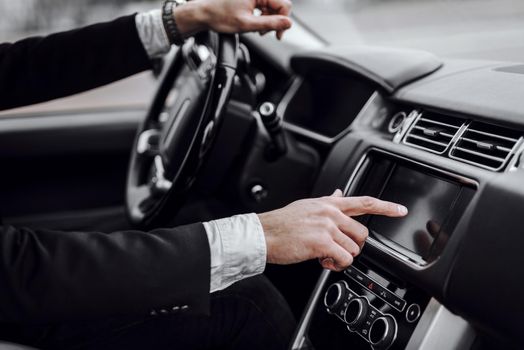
<point>429,200</point>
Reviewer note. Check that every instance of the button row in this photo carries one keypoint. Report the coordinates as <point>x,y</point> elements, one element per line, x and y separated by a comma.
<point>376,288</point>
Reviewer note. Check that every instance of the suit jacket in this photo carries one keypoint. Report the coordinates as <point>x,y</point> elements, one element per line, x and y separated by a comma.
<point>49,276</point>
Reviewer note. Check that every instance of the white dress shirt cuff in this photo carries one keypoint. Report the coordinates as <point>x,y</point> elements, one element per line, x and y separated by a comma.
<point>152,33</point>
<point>238,249</point>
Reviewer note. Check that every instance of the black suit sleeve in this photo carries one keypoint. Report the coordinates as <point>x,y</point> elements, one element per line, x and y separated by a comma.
<point>49,276</point>
<point>44,68</point>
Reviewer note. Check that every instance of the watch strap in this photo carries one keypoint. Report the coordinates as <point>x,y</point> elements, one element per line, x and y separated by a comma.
<point>170,26</point>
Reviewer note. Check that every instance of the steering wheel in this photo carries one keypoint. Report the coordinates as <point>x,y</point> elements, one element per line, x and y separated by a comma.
<point>179,129</point>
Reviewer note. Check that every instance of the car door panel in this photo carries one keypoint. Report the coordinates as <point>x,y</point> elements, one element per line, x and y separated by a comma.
<point>64,163</point>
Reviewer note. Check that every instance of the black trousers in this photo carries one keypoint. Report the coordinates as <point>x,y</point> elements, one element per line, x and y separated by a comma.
<point>251,314</point>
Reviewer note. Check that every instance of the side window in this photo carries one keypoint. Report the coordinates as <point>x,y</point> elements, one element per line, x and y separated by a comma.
<point>24,18</point>
<point>21,18</point>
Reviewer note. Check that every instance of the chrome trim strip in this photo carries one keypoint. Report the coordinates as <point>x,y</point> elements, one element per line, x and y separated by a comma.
<point>432,121</point>
<point>515,162</point>
<point>510,139</point>
<point>427,140</point>
<point>481,155</point>
<point>288,96</point>
<point>299,338</point>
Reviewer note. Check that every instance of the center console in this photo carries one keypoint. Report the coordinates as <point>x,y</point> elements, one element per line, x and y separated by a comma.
<point>367,306</point>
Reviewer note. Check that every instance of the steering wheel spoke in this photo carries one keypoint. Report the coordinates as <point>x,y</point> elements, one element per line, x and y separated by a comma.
<point>173,141</point>
<point>148,142</point>
<point>159,184</point>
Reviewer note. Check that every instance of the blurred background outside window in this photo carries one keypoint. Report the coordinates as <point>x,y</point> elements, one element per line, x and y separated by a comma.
<point>482,29</point>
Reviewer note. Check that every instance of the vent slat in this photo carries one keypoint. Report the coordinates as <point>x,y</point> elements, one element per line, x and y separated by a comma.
<point>510,139</point>
<point>479,145</point>
<point>439,123</point>
<point>421,128</point>
<point>433,132</point>
<point>485,145</point>
<point>483,155</point>
<point>425,139</point>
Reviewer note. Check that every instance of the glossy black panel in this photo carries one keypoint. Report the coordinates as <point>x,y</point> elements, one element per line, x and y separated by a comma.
<point>434,200</point>
<point>429,199</point>
<point>327,104</point>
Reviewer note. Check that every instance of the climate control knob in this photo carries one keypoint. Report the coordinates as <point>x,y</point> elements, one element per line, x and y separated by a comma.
<point>356,312</point>
<point>335,296</point>
<point>383,332</point>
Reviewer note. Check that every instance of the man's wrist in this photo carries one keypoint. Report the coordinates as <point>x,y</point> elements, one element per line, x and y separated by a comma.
<point>192,17</point>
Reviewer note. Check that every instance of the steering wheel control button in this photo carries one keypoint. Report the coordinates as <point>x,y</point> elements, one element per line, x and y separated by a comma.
<point>148,142</point>
<point>395,124</point>
<point>383,332</point>
<point>413,313</point>
<point>335,297</point>
<point>356,312</point>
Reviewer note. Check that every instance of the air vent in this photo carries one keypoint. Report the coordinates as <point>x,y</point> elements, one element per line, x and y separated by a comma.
<point>433,132</point>
<point>485,145</point>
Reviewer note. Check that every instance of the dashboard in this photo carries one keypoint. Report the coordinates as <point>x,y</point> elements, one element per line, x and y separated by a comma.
<point>444,138</point>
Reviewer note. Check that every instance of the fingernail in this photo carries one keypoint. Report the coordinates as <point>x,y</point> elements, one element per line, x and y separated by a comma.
<point>337,193</point>
<point>402,210</point>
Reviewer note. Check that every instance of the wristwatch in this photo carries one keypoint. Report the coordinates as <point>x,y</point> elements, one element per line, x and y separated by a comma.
<point>173,34</point>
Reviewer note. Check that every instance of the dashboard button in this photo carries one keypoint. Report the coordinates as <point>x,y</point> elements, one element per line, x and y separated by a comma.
<point>383,332</point>
<point>335,296</point>
<point>356,312</point>
<point>395,124</point>
<point>413,313</point>
<point>386,295</point>
<point>358,276</point>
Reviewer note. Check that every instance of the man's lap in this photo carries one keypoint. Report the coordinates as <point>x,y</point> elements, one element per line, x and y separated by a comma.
<point>250,314</point>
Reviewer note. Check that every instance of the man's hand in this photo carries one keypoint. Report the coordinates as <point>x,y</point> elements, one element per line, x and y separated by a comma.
<point>234,16</point>
<point>322,228</point>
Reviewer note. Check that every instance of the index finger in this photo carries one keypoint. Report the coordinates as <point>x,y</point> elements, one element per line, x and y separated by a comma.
<point>355,206</point>
<point>281,7</point>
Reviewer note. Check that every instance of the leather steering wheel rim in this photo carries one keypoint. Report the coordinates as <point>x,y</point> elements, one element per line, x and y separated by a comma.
<point>180,127</point>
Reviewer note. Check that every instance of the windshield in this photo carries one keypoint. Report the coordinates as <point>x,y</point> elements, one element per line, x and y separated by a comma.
<point>472,29</point>
<point>478,29</point>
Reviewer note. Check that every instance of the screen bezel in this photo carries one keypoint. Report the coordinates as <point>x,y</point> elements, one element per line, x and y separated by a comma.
<point>468,188</point>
